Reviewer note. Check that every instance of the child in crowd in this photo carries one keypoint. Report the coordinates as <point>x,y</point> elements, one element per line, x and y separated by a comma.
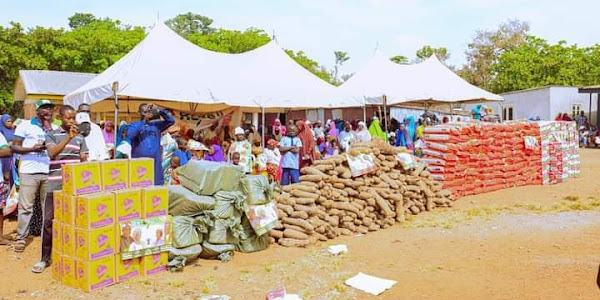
<point>182,152</point>
<point>273,159</point>
<point>198,150</point>
<point>4,193</point>
<point>244,148</point>
<point>327,148</point>
<point>290,146</point>
<point>171,178</point>
<point>235,158</point>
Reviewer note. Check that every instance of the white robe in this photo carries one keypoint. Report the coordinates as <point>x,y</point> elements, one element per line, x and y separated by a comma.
<point>96,145</point>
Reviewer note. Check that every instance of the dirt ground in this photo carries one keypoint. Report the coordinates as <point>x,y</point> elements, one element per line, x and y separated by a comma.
<point>534,242</point>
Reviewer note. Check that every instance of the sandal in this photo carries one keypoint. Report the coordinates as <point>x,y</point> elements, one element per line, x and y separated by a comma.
<point>39,267</point>
<point>19,246</point>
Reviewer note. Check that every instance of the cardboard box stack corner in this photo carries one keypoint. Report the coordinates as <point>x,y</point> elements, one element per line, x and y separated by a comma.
<point>96,198</point>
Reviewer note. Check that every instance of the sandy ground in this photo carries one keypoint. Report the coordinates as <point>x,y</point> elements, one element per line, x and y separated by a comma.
<point>522,243</point>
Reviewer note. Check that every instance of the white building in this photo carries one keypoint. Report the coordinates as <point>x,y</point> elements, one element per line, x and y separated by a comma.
<point>544,102</point>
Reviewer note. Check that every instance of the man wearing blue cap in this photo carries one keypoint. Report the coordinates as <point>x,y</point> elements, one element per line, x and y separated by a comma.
<point>30,142</point>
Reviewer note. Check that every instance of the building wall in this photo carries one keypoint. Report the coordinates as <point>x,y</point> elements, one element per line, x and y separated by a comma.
<point>527,104</point>
<point>562,100</point>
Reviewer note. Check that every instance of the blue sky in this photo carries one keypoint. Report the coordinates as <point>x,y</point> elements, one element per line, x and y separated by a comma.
<point>319,27</point>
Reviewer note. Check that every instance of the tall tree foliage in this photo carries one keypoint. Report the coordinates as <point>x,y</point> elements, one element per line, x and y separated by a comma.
<point>190,23</point>
<point>427,51</point>
<point>400,59</point>
<point>340,58</point>
<point>311,65</point>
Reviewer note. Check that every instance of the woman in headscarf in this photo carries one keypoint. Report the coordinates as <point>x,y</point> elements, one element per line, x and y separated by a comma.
<point>339,125</point>
<point>332,130</point>
<point>215,152</point>
<point>307,152</point>
<point>409,122</point>
<point>362,134</point>
<point>273,160</point>
<point>168,145</point>
<point>123,143</point>
<point>109,132</point>
<point>346,137</point>
<point>277,125</point>
<point>403,138</point>
<point>8,131</point>
<point>376,131</point>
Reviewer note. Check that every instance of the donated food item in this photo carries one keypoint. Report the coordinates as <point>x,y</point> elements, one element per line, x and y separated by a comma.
<point>68,240</point>
<point>56,265</point>
<point>207,178</point>
<point>69,205</point>
<point>96,274</point>
<point>129,204</point>
<point>69,271</point>
<point>115,174</point>
<point>57,199</point>
<point>257,189</point>
<point>95,210</point>
<point>128,268</point>
<point>155,263</point>
<point>57,235</point>
<point>183,202</point>
<point>188,231</point>
<point>81,178</point>
<point>155,201</point>
<point>95,243</point>
<point>141,172</point>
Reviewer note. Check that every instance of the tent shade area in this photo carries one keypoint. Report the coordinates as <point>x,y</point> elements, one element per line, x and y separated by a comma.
<point>428,82</point>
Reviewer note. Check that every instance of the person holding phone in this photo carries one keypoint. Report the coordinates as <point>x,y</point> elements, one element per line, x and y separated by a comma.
<point>30,142</point>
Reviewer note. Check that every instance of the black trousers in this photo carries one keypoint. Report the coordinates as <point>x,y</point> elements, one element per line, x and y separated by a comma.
<point>48,217</point>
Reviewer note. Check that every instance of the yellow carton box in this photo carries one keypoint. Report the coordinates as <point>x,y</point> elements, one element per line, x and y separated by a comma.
<point>56,265</point>
<point>129,204</point>
<point>69,204</point>
<point>57,201</point>
<point>68,240</point>
<point>141,172</point>
<point>81,178</point>
<point>69,271</point>
<point>155,201</point>
<point>155,263</point>
<point>95,243</point>
<point>115,174</point>
<point>96,274</point>
<point>127,268</point>
<point>57,236</point>
<point>95,210</point>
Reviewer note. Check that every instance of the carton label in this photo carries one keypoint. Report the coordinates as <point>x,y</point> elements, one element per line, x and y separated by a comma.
<point>157,270</point>
<point>129,271</point>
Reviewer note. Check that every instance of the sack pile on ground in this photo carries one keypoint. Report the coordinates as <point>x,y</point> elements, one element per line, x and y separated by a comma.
<point>208,209</point>
<point>560,151</point>
<point>474,158</point>
<point>329,202</point>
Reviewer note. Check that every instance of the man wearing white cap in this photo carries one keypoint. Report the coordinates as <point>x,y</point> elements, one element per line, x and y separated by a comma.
<point>66,145</point>
<point>95,139</point>
<point>243,147</point>
<point>30,142</point>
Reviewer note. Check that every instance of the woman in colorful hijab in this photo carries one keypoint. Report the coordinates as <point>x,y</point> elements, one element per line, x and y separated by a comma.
<point>123,143</point>
<point>307,152</point>
<point>362,134</point>
<point>7,129</point>
<point>376,131</point>
<point>409,122</point>
<point>109,132</point>
<point>332,129</point>
<point>277,124</point>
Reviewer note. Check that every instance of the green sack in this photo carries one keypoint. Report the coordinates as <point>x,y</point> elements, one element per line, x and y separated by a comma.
<point>228,205</point>
<point>183,202</point>
<point>253,244</point>
<point>207,177</point>
<point>257,189</point>
<point>222,252</point>
<point>225,231</point>
<point>189,253</point>
<point>247,230</point>
<point>187,231</point>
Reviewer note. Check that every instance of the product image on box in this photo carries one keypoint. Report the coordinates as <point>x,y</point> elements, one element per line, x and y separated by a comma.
<point>56,265</point>
<point>128,268</point>
<point>57,201</point>
<point>69,277</point>
<point>145,236</point>
<point>141,172</point>
<point>155,263</point>
<point>95,243</point>
<point>129,204</point>
<point>155,201</point>
<point>69,204</point>
<point>96,274</point>
<point>81,178</point>
<point>95,210</point>
<point>68,240</point>
<point>56,236</point>
<point>115,174</point>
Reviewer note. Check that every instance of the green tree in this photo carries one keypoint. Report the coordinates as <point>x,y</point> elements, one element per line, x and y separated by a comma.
<point>311,65</point>
<point>81,19</point>
<point>190,23</point>
<point>231,41</point>
<point>340,58</point>
<point>487,46</point>
<point>427,51</point>
<point>400,59</point>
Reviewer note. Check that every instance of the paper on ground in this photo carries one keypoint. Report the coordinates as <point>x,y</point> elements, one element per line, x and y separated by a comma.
<point>370,284</point>
<point>337,249</point>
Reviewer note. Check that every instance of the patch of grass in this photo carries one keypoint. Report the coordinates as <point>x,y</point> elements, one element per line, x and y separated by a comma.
<point>208,284</point>
<point>267,267</point>
<point>571,198</point>
<point>176,283</point>
<point>339,287</point>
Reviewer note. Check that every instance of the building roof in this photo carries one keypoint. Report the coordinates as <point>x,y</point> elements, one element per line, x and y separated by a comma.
<point>537,88</point>
<point>43,82</point>
<point>589,89</point>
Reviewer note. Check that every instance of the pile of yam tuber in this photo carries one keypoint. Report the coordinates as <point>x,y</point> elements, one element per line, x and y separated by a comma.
<point>329,202</point>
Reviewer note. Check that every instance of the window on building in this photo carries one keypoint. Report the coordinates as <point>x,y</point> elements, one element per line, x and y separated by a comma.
<point>247,118</point>
<point>507,113</point>
<point>337,114</point>
<point>575,109</point>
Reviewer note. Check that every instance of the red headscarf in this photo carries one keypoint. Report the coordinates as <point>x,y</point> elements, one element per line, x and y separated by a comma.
<point>307,139</point>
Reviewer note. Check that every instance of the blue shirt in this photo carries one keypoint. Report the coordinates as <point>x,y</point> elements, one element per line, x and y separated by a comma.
<point>290,160</point>
<point>183,157</point>
<point>145,141</point>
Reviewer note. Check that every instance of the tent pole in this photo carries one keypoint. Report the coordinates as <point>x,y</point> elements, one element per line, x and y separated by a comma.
<point>365,110</point>
<point>590,114</point>
<point>263,127</point>
<point>115,89</point>
<point>385,115</point>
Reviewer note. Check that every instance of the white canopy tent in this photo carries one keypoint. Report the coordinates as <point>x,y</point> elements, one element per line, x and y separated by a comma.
<point>429,81</point>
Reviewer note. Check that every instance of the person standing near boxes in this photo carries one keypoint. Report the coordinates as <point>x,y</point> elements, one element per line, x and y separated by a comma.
<point>30,142</point>
<point>145,136</point>
<point>65,146</point>
<point>95,139</point>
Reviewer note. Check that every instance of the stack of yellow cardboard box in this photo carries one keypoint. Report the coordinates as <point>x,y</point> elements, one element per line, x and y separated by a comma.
<point>96,198</point>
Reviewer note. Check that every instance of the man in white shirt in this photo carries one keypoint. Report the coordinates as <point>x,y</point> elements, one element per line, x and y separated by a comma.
<point>30,142</point>
<point>95,140</point>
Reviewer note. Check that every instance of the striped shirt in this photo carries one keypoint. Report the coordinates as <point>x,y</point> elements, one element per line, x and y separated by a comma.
<point>70,154</point>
